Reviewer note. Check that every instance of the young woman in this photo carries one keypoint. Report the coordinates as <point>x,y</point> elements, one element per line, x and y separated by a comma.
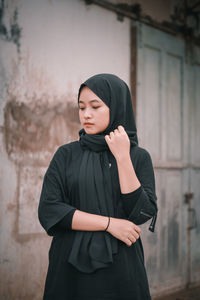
<point>96,192</point>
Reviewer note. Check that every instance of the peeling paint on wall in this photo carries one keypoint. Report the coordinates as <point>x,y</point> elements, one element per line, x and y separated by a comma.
<point>40,128</point>
<point>11,32</point>
<point>28,222</point>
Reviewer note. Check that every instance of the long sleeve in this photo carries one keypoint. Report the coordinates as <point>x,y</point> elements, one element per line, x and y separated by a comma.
<point>140,205</point>
<point>54,201</point>
<point>65,223</point>
<point>130,200</point>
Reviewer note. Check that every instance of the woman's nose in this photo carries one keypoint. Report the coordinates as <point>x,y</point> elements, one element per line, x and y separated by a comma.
<point>87,113</point>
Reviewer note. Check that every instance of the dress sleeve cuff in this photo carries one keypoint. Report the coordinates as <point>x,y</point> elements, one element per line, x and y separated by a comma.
<point>66,222</point>
<point>129,200</point>
<point>132,194</point>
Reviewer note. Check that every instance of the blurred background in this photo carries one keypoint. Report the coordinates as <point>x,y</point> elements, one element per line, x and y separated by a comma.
<point>47,49</point>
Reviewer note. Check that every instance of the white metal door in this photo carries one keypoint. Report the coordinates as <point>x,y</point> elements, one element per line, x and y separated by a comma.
<point>168,129</point>
<point>194,164</point>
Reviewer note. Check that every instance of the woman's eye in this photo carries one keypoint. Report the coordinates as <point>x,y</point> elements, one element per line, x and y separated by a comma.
<point>94,107</point>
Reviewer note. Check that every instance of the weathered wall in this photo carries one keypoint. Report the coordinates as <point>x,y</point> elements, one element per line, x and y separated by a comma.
<point>175,16</point>
<point>52,47</point>
<point>159,10</point>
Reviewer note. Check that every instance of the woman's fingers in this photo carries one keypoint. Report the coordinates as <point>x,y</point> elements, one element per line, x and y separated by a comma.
<point>124,230</point>
<point>121,128</point>
<point>132,237</point>
<point>116,131</point>
<point>128,242</point>
<point>136,228</point>
<point>136,235</point>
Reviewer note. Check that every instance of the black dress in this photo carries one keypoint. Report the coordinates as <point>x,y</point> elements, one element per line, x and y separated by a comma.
<point>125,278</point>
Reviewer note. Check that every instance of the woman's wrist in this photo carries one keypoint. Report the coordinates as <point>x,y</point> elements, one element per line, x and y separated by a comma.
<point>106,229</point>
<point>103,222</point>
<point>89,222</point>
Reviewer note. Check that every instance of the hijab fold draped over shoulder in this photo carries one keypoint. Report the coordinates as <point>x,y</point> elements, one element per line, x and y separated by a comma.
<point>92,250</point>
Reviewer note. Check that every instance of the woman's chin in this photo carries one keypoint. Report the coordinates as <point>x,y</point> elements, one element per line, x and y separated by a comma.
<point>91,131</point>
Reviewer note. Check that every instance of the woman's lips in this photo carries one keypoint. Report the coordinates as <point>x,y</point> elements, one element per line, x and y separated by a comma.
<point>88,124</point>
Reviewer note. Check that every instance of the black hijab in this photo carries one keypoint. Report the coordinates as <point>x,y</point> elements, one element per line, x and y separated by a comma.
<point>115,93</point>
<point>92,250</point>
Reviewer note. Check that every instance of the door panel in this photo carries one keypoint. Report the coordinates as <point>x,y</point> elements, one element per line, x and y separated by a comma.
<point>173,105</point>
<point>195,233</point>
<point>194,134</point>
<point>194,112</point>
<point>162,122</point>
<point>149,89</point>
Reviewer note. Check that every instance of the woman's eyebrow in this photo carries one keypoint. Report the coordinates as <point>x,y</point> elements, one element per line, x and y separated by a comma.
<point>95,100</point>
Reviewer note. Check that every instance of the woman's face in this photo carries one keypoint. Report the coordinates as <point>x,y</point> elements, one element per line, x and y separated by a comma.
<point>94,114</point>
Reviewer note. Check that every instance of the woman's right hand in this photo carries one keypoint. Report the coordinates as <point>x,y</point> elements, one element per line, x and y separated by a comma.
<point>124,230</point>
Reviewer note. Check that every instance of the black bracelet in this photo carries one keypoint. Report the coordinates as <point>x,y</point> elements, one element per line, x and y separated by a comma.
<point>108,224</point>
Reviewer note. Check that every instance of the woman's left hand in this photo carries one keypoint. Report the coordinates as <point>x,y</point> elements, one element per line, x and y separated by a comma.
<point>118,143</point>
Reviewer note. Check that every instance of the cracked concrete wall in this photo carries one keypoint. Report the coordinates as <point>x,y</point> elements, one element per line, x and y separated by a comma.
<point>52,47</point>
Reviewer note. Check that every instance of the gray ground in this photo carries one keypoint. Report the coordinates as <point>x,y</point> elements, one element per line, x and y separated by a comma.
<point>189,294</point>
